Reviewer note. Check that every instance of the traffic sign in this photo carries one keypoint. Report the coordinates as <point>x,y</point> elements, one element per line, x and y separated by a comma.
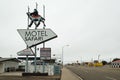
<point>33,37</point>
<point>26,52</point>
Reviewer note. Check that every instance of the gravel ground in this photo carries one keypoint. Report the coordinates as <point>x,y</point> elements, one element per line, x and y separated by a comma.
<point>24,78</point>
<point>18,76</point>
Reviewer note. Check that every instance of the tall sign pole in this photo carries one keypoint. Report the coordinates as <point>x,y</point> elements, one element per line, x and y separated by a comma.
<point>44,42</point>
<point>28,18</point>
<point>34,37</point>
<point>27,45</point>
<point>43,24</point>
<point>36,5</point>
<point>36,45</point>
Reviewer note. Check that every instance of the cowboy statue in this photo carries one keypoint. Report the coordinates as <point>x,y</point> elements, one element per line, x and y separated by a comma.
<point>35,18</point>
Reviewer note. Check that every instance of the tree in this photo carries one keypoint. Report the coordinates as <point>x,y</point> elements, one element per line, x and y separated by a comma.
<point>104,62</point>
<point>96,61</point>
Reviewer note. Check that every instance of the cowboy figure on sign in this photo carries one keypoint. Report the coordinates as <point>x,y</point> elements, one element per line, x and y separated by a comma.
<point>35,18</point>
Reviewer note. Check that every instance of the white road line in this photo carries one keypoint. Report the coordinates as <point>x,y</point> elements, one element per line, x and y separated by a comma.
<point>80,78</point>
<point>110,78</point>
<point>86,71</point>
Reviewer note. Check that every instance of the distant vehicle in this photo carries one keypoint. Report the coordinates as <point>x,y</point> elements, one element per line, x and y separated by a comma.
<point>98,64</point>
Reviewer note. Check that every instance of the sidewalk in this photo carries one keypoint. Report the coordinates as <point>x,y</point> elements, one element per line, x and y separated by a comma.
<point>68,75</point>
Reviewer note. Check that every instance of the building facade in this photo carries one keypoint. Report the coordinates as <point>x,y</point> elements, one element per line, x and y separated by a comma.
<point>115,64</point>
<point>8,64</point>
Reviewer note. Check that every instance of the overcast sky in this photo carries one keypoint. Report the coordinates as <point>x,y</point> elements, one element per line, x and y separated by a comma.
<point>90,27</point>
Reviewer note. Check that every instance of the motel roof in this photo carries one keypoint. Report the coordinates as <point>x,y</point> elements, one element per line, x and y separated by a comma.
<point>9,59</point>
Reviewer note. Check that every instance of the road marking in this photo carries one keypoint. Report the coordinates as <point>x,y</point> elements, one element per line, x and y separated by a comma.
<point>86,71</point>
<point>110,78</point>
<point>80,78</point>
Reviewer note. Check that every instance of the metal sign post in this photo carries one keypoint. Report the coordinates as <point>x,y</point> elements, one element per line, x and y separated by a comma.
<point>26,63</point>
<point>44,42</point>
<point>43,25</point>
<point>27,46</point>
<point>35,46</point>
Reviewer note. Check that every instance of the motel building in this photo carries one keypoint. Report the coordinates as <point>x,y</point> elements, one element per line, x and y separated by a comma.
<point>8,64</point>
<point>48,66</point>
<point>115,64</point>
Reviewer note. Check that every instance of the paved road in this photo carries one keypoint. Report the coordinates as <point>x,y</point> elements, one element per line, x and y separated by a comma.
<point>96,73</point>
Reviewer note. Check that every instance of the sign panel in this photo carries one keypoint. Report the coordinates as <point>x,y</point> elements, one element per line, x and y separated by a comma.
<point>34,37</point>
<point>45,53</point>
<point>26,52</point>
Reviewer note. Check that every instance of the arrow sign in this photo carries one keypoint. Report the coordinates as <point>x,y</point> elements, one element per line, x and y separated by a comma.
<point>26,52</point>
<point>33,37</point>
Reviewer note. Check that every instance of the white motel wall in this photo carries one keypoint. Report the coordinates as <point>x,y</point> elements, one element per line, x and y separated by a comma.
<point>1,68</point>
<point>7,65</point>
<point>39,68</point>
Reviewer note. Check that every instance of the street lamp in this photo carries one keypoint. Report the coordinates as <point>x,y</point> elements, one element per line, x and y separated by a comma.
<point>98,57</point>
<point>62,53</point>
